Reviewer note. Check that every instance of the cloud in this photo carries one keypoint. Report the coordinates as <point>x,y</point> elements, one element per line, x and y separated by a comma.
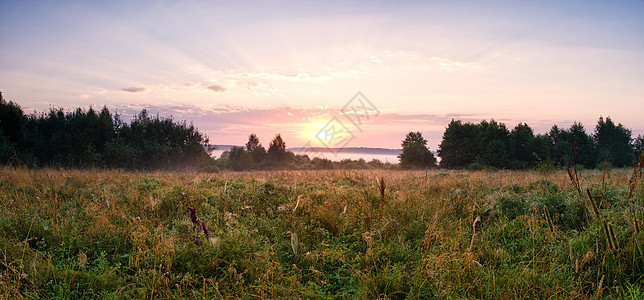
<point>135,89</point>
<point>260,87</point>
<point>297,77</point>
<point>217,88</point>
<point>450,65</point>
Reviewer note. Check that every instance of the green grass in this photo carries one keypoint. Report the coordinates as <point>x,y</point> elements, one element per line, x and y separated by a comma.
<point>318,235</point>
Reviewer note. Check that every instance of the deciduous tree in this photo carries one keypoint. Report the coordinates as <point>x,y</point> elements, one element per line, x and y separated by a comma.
<point>415,152</point>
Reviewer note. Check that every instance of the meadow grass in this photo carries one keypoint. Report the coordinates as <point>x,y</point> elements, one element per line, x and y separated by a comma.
<point>320,235</point>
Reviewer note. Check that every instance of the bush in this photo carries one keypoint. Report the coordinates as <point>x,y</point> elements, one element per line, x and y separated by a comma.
<point>475,166</point>
<point>512,206</point>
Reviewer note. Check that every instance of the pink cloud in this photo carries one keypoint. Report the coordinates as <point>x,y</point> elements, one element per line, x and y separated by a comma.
<point>217,88</point>
<point>135,89</point>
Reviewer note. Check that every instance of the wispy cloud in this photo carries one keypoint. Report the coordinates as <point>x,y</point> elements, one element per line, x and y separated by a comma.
<point>135,89</point>
<point>296,76</point>
<point>256,87</point>
<point>451,65</point>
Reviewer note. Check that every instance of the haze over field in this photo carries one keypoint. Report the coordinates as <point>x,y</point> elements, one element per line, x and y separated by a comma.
<point>289,67</point>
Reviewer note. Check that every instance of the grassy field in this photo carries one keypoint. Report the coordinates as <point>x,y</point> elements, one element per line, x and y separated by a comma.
<point>320,235</point>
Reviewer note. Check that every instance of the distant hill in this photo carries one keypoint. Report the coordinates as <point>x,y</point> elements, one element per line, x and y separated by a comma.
<point>356,150</point>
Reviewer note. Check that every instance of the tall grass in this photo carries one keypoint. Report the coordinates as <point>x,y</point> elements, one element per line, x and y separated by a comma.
<point>319,235</point>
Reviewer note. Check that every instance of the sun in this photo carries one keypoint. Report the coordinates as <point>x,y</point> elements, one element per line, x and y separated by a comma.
<point>311,131</point>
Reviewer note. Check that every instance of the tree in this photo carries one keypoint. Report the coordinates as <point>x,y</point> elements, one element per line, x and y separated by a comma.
<point>238,159</point>
<point>415,153</point>
<point>164,143</point>
<point>638,145</point>
<point>522,146</point>
<point>414,137</point>
<point>586,154</point>
<point>12,128</point>
<point>492,142</point>
<point>253,143</point>
<point>12,120</point>
<point>495,154</point>
<point>254,147</point>
<point>458,147</point>
<point>559,145</point>
<point>277,149</point>
<point>613,143</point>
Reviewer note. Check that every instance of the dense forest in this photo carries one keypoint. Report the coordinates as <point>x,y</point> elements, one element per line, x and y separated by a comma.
<point>491,144</point>
<point>89,138</point>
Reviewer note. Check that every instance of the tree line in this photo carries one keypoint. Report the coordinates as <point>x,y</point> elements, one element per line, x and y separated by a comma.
<point>490,144</point>
<point>254,156</point>
<point>99,139</point>
<point>89,138</point>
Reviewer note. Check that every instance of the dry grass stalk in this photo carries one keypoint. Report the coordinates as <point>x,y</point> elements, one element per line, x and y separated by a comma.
<point>381,187</point>
<point>639,247</point>
<point>82,259</point>
<point>369,240</point>
<point>19,272</point>
<point>600,287</point>
<point>608,227</point>
<point>637,226</point>
<point>609,238</point>
<point>632,184</point>
<point>548,219</point>
<point>611,232</point>
<point>635,176</point>
<point>297,204</point>
<point>592,203</point>
<point>572,172</point>
<point>478,218</point>
<point>294,243</point>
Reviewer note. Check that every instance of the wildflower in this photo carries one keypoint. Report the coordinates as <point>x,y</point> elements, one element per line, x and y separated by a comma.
<point>198,225</point>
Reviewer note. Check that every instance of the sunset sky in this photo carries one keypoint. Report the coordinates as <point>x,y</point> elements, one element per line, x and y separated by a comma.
<point>266,67</point>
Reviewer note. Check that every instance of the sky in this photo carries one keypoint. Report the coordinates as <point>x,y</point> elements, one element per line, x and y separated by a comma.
<point>330,73</point>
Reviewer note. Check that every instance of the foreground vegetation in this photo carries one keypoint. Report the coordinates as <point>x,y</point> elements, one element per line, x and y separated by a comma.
<point>319,235</point>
